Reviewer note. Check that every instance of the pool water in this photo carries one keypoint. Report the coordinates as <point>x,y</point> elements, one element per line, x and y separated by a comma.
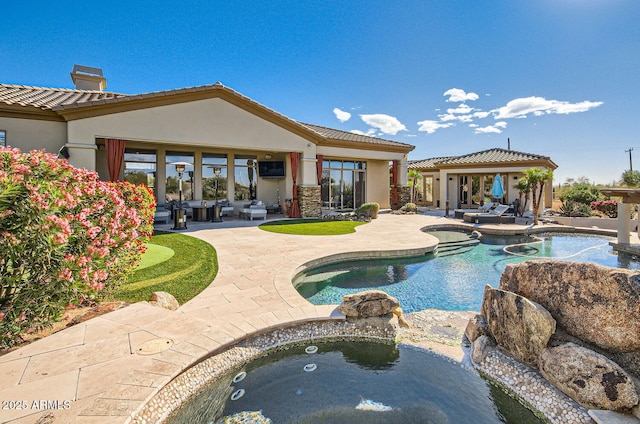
<point>354,382</point>
<point>454,277</point>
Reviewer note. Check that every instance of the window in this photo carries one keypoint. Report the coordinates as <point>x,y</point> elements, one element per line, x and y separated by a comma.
<point>246,177</point>
<point>172,188</point>
<point>214,187</point>
<point>140,167</point>
<point>3,138</point>
<point>343,184</point>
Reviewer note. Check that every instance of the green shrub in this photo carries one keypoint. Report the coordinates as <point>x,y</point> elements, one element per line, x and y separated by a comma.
<point>65,237</point>
<point>584,193</point>
<point>370,210</point>
<point>574,209</point>
<point>409,208</point>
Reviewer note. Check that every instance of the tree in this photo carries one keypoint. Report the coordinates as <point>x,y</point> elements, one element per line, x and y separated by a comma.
<point>414,176</point>
<point>631,178</point>
<point>524,187</point>
<point>537,177</point>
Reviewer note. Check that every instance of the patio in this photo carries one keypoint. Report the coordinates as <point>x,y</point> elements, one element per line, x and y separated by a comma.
<point>94,365</point>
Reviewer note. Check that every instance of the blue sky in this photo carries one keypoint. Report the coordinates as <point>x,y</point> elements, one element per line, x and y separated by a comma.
<point>556,77</point>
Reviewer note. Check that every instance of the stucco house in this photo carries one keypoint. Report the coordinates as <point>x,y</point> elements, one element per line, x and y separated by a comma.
<point>259,153</point>
<point>465,181</point>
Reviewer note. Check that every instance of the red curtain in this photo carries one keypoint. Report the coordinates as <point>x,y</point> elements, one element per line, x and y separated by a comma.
<point>394,181</point>
<point>319,168</point>
<point>115,154</point>
<point>295,207</point>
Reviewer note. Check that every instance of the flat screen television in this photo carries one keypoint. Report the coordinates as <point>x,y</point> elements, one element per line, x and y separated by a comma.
<point>271,169</point>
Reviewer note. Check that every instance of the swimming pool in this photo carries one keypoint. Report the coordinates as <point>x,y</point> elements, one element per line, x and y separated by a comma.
<point>453,278</point>
<point>352,382</point>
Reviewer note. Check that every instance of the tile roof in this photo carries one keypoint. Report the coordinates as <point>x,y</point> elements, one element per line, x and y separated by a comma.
<point>61,100</point>
<point>426,163</point>
<point>496,155</point>
<point>349,136</point>
<point>48,98</point>
<point>492,156</point>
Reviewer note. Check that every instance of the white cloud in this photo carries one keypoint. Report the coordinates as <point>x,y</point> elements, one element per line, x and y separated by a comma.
<point>473,125</point>
<point>431,126</point>
<point>520,108</point>
<point>463,108</point>
<point>385,123</point>
<point>481,114</point>
<point>495,128</point>
<point>370,133</point>
<point>341,115</point>
<point>459,95</point>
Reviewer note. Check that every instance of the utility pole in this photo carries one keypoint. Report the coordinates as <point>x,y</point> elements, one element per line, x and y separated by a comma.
<point>630,161</point>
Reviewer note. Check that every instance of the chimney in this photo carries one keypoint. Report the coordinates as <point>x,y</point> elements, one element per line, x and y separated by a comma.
<point>87,78</point>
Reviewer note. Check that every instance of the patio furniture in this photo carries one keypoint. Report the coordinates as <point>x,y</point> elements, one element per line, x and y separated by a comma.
<point>255,209</point>
<point>494,216</point>
<point>459,213</point>
<point>226,209</point>
<point>162,215</point>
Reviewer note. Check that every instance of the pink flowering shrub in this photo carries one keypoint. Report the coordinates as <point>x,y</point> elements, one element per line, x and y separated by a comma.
<point>65,237</point>
<point>606,207</point>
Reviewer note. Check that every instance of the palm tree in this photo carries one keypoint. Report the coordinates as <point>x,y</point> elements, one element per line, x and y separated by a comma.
<point>537,177</point>
<point>414,176</point>
<point>524,187</point>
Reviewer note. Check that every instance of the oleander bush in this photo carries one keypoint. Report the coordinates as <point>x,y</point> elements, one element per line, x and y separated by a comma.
<point>65,236</point>
<point>609,208</point>
<point>369,210</point>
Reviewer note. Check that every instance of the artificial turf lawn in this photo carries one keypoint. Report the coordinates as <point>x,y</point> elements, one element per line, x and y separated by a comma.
<point>154,255</point>
<point>311,227</point>
<point>185,274</point>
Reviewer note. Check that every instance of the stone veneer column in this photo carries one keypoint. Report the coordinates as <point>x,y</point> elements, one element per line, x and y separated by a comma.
<point>404,195</point>
<point>309,201</point>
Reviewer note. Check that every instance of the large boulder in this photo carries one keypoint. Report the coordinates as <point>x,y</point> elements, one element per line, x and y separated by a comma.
<point>370,303</point>
<point>589,378</point>
<point>521,328</point>
<point>476,327</point>
<point>597,304</point>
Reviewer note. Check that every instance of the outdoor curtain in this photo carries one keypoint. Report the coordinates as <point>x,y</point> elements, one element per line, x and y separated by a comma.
<point>295,208</point>
<point>394,180</point>
<point>115,154</point>
<point>319,159</point>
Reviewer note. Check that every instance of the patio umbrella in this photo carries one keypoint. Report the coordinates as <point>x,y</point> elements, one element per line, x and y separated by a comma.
<point>497,190</point>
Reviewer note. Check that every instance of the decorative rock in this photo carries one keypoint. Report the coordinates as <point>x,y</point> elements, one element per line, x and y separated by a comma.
<point>598,304</point>
<point>370,303</point>
<point>481,347</point>
<point>164,300</point>
<point>591,379</point>
<point>401,320</point>
<point>522,328</point>
<point>476,327</point>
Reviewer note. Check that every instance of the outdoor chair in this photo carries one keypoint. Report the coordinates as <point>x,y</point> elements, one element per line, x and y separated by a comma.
<point>494,216</point>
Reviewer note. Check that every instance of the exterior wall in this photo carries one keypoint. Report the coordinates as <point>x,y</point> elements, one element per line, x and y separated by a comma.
<point>378,183</point>
<point>34,134</point>
<point>211,122</point>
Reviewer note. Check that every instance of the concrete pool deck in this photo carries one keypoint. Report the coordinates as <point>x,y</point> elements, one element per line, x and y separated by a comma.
<point>91,372</point>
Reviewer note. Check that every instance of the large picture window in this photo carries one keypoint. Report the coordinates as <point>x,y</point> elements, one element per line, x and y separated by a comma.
<point>343,184</point>
<point>214,186</point>
<point>246,177</point>
<point>140,167</point>
<point>173,181</point>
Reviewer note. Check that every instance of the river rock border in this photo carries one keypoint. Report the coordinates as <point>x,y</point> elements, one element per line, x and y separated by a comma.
<point>532,390</point>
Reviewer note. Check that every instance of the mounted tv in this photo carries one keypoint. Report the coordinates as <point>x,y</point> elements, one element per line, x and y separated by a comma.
<point>271,169</point>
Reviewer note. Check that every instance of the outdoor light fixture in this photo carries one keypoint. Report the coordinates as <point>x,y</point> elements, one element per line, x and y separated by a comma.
<point>216,207</point>
<point>180,218</point>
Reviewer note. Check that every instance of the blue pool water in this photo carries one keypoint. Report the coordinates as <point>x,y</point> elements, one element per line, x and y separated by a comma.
<point>454,277</point>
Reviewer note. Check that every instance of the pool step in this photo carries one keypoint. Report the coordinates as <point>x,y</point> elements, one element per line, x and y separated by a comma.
<point>458,251</point>
<point>453,245</point>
